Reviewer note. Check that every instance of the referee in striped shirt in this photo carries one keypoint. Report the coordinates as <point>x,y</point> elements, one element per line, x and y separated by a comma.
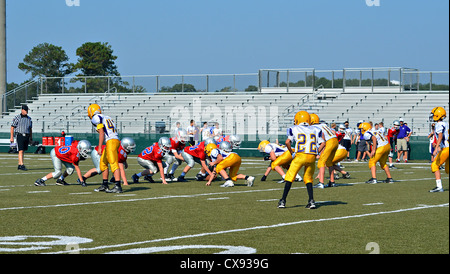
<point>21,128</point>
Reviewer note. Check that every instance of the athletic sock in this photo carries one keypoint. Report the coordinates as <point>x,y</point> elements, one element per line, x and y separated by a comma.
<point>309,188</point>
<point>439,183</point>
<point>44,178</point>
<point>139,174</point>
<point>287,187</point>
<point>183,174</point>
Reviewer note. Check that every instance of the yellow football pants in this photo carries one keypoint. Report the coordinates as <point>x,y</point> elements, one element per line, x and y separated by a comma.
<point>302,160</point>
<point>327,155</point>
<point>441,158</point>
<point>233,161</point>
<point>110,155</point>
<point>381,156</point>
<point>283,160</point>
<point>340,155</point>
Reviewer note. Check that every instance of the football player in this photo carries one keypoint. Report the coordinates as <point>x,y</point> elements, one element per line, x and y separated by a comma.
<point>223,158</point>
<point>178,143</point>
<point>195,154</point>
<point>380,150</point>
<point>69,156</point>
<point>151,159</point>
<point>392,138</point>
<point>280,158</point>
<point>440,154</point>
<point>107,131</point>
<point>307,139</point>
<point>127,146</point>
<point>327,155</point>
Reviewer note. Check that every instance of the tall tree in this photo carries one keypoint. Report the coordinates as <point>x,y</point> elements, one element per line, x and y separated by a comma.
<point>46,60</point>
<point>96,59</point>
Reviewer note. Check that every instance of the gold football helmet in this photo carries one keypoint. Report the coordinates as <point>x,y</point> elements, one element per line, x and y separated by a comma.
<point>437,114</point>
<point>209,148</point>
<point>263,145</point>
<point>302,118</point>
<point>365,127</point>
<point>94,109</point>
<point>314,119</point>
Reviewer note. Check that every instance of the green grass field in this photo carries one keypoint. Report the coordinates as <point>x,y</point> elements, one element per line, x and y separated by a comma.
<point>190,218</point>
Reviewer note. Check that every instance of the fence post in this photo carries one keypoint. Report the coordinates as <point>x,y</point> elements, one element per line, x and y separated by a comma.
<point>343,80</point>
<point>431,80</point>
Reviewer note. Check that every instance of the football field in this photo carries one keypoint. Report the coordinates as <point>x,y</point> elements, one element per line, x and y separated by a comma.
<point>191,218</point>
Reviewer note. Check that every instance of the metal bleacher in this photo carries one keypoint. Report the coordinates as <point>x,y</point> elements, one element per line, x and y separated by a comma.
<point>138,113</point>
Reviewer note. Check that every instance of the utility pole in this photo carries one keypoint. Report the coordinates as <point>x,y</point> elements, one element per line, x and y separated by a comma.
<point>2,56</point>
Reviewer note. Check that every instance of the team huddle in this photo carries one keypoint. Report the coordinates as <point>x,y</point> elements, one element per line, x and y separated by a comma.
<point>307,141</point>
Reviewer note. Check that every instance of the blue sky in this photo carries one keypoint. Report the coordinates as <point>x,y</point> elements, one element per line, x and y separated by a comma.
<point>236,36</point>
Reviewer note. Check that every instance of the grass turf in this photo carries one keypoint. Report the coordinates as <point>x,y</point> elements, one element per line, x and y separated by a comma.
<point>400,218</point>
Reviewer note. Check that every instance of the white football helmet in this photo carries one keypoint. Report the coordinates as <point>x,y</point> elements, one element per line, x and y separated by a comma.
<point>210,141</point>
<point>226,146</point>
<point>235,141</point>
<point>128,144</point>
<point>164,144</point>
<point>396,124</point>
<point>84,148</point>
<point>342,128</point>
<point>182,135</point>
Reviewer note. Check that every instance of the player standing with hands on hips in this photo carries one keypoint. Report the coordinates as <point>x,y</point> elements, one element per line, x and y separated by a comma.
<point>107,131</point>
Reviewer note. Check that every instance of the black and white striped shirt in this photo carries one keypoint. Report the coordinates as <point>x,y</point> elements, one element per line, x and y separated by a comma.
<point>22,124</point>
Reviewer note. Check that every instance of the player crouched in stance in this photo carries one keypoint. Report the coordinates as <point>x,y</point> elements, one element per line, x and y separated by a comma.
<point>279,156</point>
<point>151,159</point>
<point>127,146</point>
<point>306,139</point>
<point>69,156</point>
<point>196,154</point>
<point>440,154</point>
<point>178,143</point>
<point>223,158</point>
<point>380,152</point>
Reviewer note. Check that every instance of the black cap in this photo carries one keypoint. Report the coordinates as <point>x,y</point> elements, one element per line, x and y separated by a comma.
<point>25,107</point>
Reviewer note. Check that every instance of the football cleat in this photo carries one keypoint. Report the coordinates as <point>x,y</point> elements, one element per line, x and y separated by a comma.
<point>200,177</point>
<point>228,183</point>
<point>371,181</point>
<point>135,179</point>
<point>389,181</point>
<point>250,180</point>
<point>346,175</point>
<point>331,184</point>
<point>319,185</point>
<point>181,179</point>
<point>311,204</point>
<point>115,189</point>
<point>60,182</point>
<point>102,188</point>
<point>437,189</point>
<point>39,182</point>
<point>282,204</point>
<point>149,179</point>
